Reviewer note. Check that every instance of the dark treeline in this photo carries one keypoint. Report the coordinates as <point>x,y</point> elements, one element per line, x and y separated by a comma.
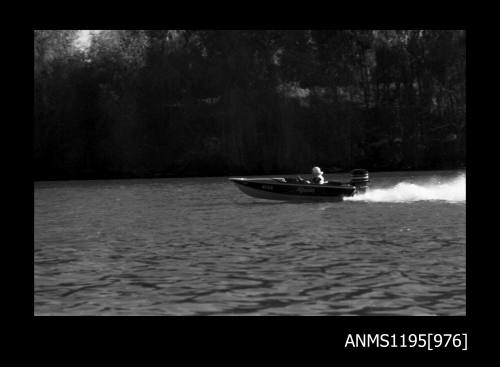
<point>172,103</point>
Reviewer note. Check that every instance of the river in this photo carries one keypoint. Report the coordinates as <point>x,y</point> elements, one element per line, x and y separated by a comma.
<point>199,246</point>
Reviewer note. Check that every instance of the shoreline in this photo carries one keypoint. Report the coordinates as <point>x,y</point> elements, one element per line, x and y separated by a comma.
<point>231,174</point>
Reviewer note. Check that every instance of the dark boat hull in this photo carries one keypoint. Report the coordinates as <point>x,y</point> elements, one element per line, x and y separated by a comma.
<point>273,189</point>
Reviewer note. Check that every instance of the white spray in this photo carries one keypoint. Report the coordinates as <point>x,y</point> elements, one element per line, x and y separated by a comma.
<point>452,190</point>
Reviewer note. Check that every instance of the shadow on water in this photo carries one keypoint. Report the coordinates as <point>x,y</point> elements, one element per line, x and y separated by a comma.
<point>291,202</point>
<point>260,203</point>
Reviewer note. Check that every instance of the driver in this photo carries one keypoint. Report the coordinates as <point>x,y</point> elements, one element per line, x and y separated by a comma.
<point>317,176</point>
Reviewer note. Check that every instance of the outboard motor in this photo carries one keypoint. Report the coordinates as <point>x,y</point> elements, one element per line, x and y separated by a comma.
<point>360,179</point>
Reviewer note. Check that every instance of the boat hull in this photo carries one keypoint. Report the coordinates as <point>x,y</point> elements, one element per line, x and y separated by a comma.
<point>272,189</point>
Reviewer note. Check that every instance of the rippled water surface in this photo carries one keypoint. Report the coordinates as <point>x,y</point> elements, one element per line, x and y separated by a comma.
<point>199,246</point>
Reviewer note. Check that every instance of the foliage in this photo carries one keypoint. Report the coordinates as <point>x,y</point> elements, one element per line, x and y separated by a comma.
<point>143,103</point>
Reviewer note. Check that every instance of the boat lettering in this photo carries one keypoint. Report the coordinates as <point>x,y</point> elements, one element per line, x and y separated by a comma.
<point>303,189</point>
<point>267,187</point>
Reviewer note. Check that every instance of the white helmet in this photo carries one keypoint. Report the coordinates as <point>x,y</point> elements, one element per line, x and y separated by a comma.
<point>317,171</point>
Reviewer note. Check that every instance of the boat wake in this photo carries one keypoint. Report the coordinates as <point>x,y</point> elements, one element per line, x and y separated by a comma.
<point>452,190</point>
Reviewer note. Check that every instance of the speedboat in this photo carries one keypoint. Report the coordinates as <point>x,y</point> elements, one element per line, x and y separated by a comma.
<point>297,189</point>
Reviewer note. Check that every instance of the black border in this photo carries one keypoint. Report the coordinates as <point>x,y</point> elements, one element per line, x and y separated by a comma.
<point>323,334</point>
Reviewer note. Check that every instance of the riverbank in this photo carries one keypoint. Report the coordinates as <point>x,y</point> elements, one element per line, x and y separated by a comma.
<point>236,173</point>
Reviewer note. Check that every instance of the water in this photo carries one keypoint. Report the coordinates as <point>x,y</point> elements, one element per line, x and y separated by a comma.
<point>201,247</point>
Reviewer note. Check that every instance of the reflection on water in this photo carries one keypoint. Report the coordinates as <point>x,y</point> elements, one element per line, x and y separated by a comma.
<point>200,247</point>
